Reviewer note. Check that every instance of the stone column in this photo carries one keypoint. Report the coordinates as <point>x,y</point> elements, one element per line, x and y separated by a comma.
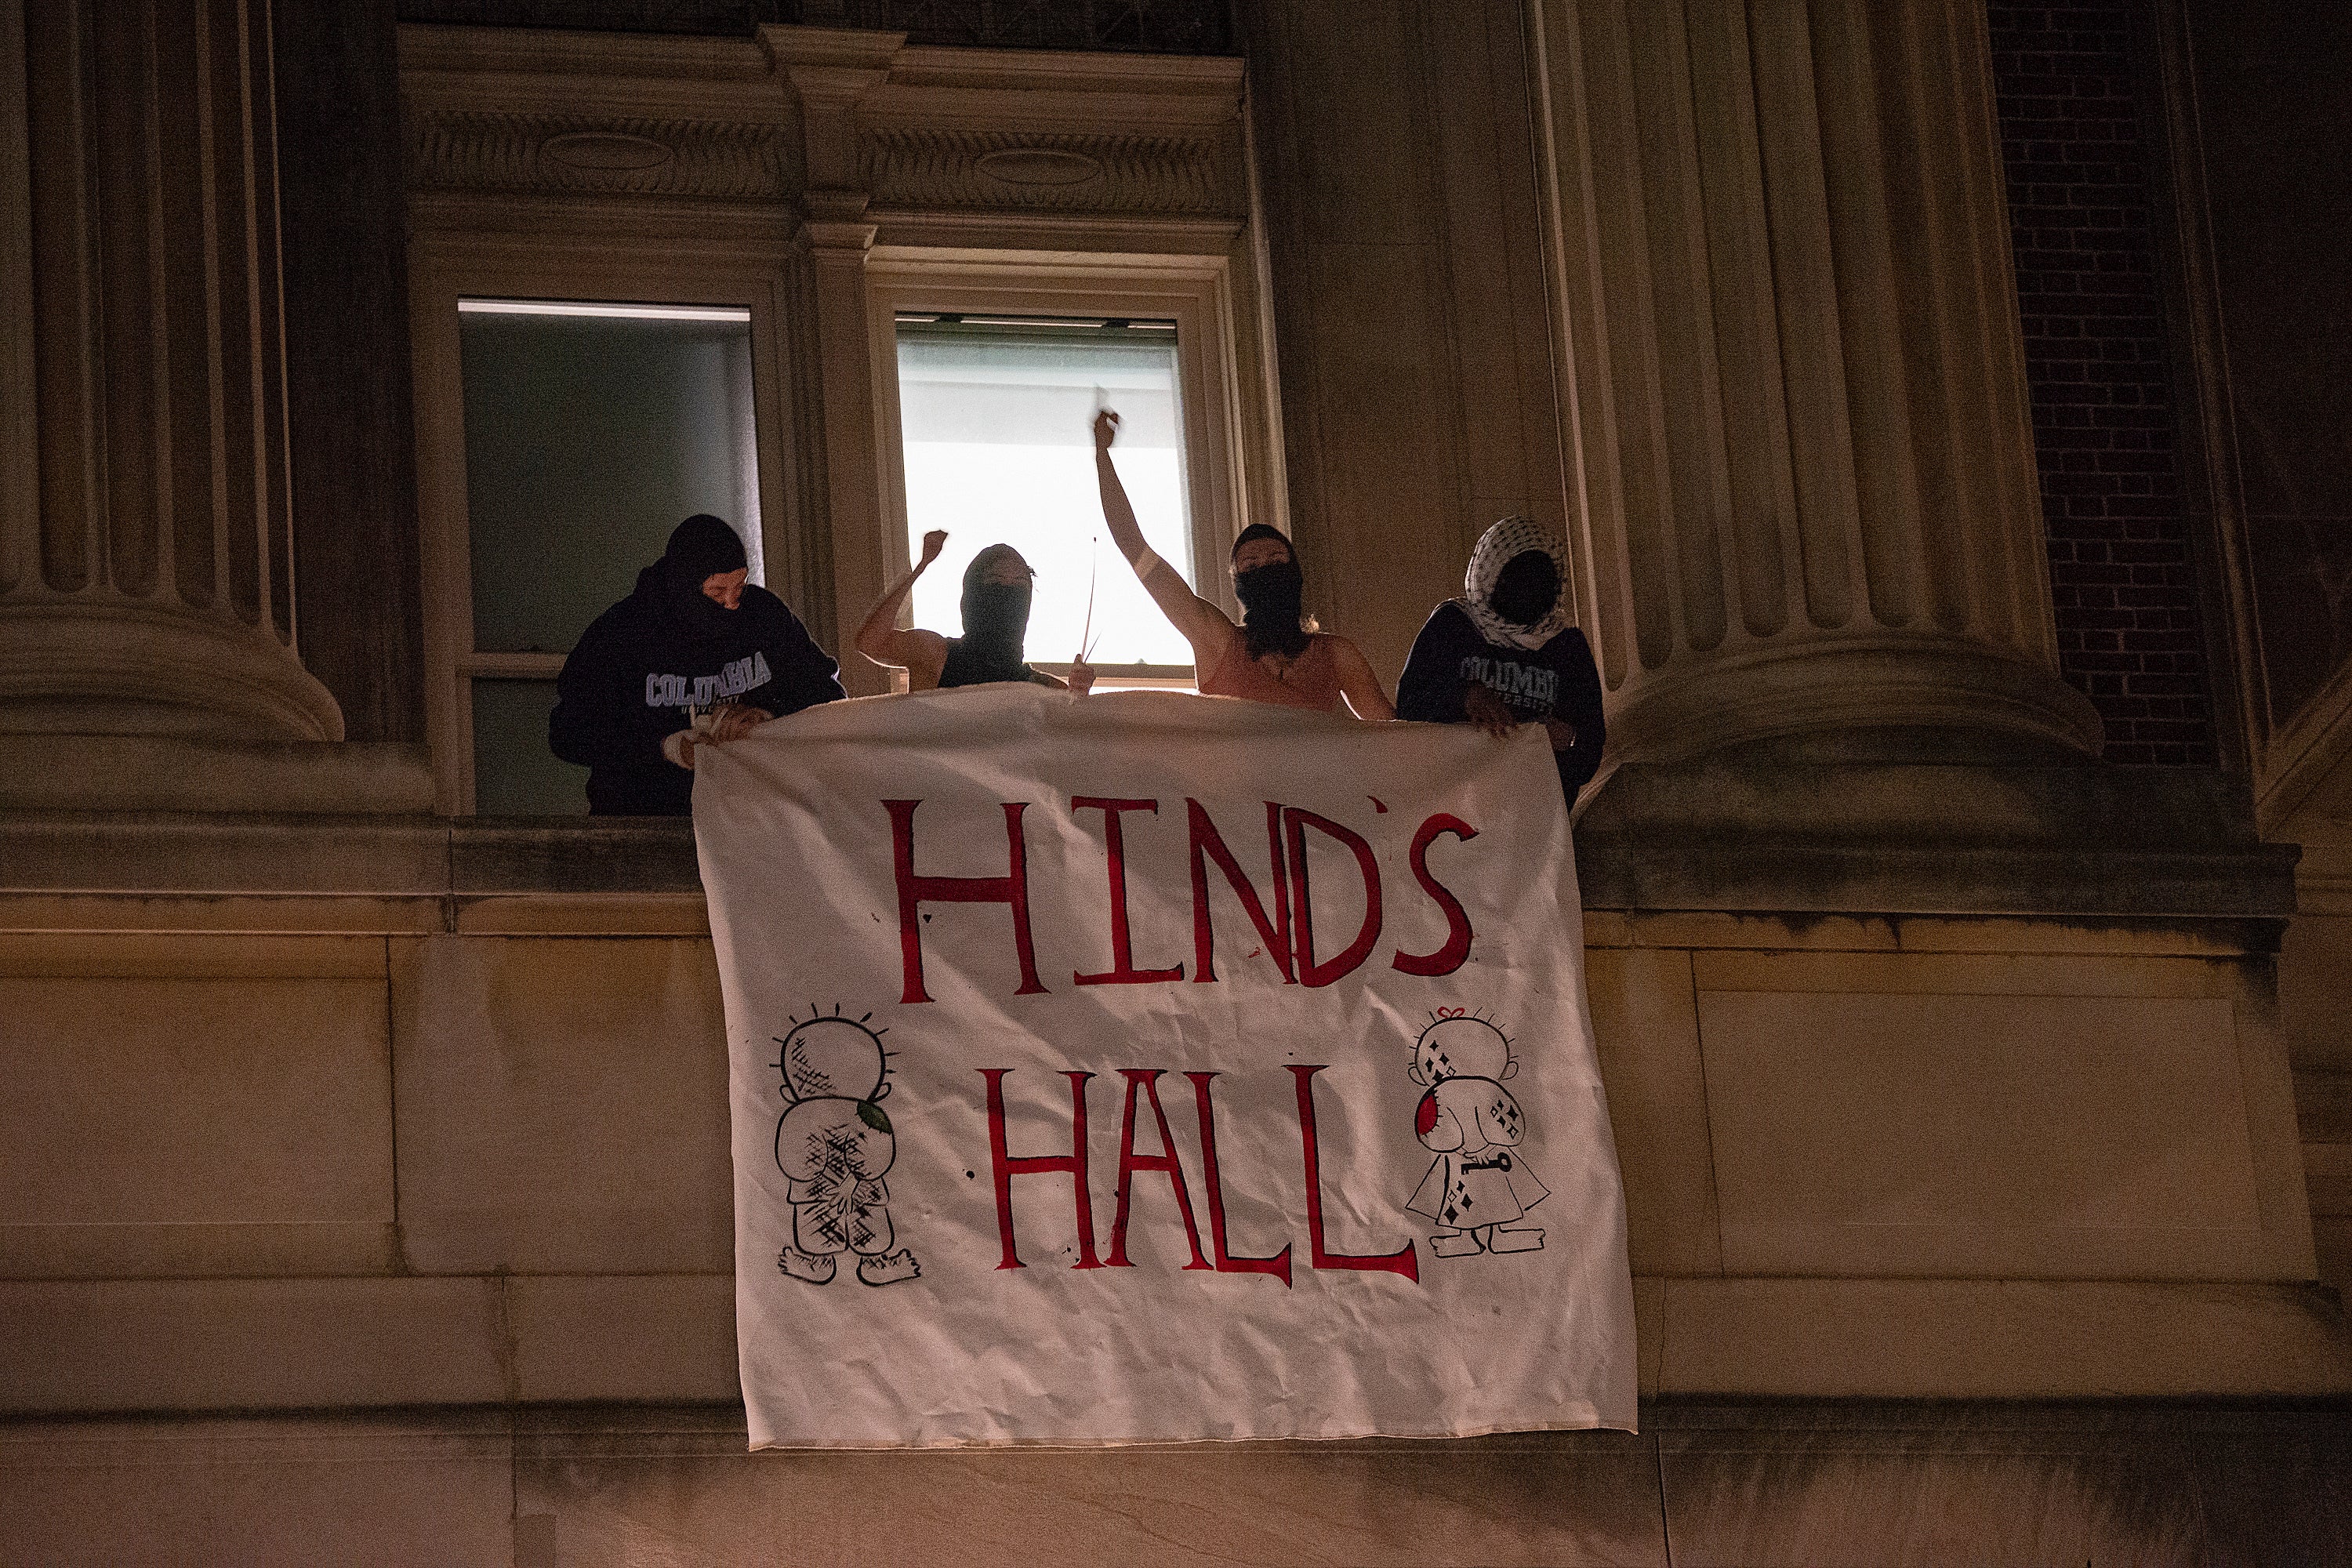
<point>20,489</point>
<point>830,72</point>
<point>149,590</point>
<point>1792,358</point>
<point>838,248</point>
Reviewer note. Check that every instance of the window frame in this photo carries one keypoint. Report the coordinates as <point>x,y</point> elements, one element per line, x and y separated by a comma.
<point>1214,395</point>
<point>440,278</point>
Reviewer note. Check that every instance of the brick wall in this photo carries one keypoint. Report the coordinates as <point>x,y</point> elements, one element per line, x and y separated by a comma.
<point>2080,178</point>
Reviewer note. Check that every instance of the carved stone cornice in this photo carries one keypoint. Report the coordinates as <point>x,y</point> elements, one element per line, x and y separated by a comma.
<point>800,111</point>
<point>450,149</point>
<point>936,168</point>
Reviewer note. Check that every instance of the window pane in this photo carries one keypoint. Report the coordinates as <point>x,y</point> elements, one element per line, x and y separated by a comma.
<point>587,438</point>
<point>514,773</point>
<point>996,427</point>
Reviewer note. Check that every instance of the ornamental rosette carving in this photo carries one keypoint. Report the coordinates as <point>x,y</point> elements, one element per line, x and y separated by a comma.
<point>1175,175</point>
<point>491,150</point>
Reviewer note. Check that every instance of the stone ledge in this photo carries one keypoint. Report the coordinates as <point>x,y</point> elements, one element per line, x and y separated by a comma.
<point>146,854</point>
<point>609,854</point>
<point>170,773</point>
<point>1764,831</point>
<point>164,854</point>
<point>1997,1339</point>
<point>1759,1482</point>
<point>259,1344</point>
<point>119,1346</point>
<point>2082,843</point>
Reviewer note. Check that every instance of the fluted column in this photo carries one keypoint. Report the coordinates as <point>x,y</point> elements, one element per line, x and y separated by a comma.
<point>1782,277</point>
<point>150,587</point>
<point>20,489</point>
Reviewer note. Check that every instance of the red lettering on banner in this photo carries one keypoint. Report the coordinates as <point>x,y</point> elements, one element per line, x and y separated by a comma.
<point>1208,845</point>
<point>1006,1165</point>
<point>915,890</point>
<point>1454,951</point>
<point>1295,821</point>
<point>1279,1264</point>
<point>1404,1261</point>
<point>1145,1082</point>
<point>1122,971</point>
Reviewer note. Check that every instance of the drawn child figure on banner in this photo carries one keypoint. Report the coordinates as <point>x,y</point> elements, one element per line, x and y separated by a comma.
<point>834,1144</point>
<point>1477,1185</point>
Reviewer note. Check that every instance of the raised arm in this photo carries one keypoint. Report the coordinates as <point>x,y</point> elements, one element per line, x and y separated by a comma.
<point>1205,626</point>
<point>921,654</point>
<point>1358,684</point>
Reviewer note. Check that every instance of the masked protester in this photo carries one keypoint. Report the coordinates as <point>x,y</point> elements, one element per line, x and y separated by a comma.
<point>1505,654</point>
<point>696,641</point>
<point>1275,654</point>
<point>995,607</point>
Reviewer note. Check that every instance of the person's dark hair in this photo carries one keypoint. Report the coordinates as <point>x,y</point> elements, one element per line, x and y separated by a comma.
<point>700,548</point>
<point>703,546</point>
<point>1257,530</point>
<point>995,619</point>
<point>987,559</point>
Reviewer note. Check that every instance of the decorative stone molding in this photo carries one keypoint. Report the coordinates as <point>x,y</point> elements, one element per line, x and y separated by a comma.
<point>1039,166</point>
<point>489,150</point>
<point>98,664</point>
<point>908,166</point>
<point>802,111</point>
<point>607,150</point>
<point>1153,26</point>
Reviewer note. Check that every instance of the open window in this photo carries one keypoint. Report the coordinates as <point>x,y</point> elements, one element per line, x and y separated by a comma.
<point>988,373</point>
<point>995,416</point>
<point>589,428</point>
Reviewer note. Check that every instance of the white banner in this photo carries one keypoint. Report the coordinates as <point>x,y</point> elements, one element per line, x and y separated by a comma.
<point>1148,1068</point>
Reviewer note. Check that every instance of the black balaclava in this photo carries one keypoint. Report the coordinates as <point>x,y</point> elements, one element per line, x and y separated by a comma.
<point>1271,599</point>
<point>995,620</point>
<point>1509,544</point>
<point>699,547</point>
<point>1527,588</point>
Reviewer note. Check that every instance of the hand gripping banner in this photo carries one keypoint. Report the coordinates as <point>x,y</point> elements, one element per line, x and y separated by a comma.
<point>1146,1067</point>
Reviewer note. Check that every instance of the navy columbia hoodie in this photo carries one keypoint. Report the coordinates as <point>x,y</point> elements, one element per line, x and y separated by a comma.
<point>643,664</point>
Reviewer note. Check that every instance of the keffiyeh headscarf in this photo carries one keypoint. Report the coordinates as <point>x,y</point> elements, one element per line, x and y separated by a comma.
<point>1514,536</point>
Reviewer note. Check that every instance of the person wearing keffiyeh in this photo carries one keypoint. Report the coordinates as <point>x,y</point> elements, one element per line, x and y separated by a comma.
<point>1507,653</point>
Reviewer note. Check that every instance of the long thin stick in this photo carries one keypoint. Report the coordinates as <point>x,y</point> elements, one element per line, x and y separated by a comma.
<point>1094,560</point>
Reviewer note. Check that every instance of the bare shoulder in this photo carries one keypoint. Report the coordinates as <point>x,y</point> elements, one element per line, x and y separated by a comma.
<point>921,654</point>
<point>1366,696</point>
<point>930,647</point>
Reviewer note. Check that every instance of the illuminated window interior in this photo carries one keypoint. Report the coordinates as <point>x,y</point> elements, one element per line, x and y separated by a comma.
<point>995,415</point>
